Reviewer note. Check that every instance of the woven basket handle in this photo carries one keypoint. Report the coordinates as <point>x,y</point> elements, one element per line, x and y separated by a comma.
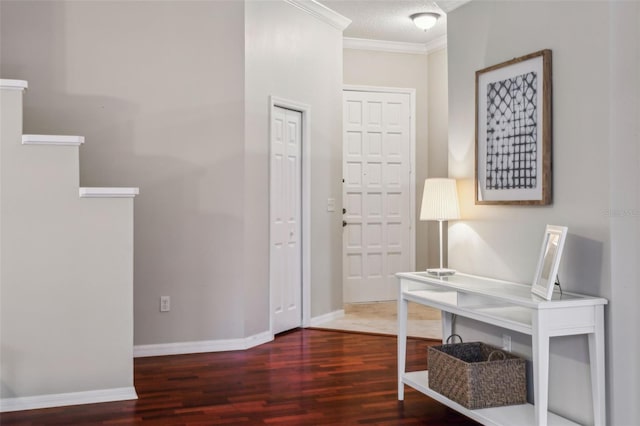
<point>490,358</point>
<point>449,338</point>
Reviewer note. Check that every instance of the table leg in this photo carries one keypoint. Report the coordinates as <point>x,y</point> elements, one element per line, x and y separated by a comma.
<point>447,325</point>
<point>540,346</point>
<point>596,362</point>
<point>402,343</point>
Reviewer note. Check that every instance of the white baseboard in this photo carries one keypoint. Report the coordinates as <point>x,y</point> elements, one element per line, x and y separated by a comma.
<point>63,399</point>
<point>319,320</point>
<point>182,348</point>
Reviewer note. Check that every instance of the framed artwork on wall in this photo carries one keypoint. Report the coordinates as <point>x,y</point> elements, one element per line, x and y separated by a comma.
<point>513,131</point>
<point>549,261</point>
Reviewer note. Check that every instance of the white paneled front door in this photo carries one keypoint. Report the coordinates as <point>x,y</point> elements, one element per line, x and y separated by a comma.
<point>285,216</point>
<point>377,236</point>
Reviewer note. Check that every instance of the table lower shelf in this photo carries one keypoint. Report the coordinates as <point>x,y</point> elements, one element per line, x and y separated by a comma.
<point>521,415</point>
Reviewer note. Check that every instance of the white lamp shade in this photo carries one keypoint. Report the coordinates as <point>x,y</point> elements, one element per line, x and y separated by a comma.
<point>440,200</point>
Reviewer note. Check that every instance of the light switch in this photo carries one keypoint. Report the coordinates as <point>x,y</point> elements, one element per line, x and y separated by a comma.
<point>331,204</point>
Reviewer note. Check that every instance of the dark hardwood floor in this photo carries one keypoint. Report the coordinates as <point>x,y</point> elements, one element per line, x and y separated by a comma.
<point>304,377</point>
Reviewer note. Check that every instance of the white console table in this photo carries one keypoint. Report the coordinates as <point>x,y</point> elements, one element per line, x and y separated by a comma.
<point>510,306</point>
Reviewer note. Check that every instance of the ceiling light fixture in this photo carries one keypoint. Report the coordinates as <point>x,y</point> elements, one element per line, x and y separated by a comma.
<point>425,20</point>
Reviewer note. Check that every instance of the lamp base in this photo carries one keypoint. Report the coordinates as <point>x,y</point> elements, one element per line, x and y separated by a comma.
<point>441,272</point>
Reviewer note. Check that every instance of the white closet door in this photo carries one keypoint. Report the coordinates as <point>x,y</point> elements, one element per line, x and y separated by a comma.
<point>285,216</point>
<point>376,195</point>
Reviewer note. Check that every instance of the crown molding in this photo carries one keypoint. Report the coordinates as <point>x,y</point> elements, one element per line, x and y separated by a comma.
<point>448,5</point>
<point>383,45</point>
<point>395,46</point>
<point>322,13</point>
<point>437,44</point>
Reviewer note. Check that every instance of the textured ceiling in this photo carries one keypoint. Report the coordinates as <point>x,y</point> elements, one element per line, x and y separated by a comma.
<point>389,19</point>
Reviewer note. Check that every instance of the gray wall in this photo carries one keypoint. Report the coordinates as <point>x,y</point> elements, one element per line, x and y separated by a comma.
<point>164,93</point>
<point>291,55</point>
<point>426,74</point>
<point>438,127</point>
<point>157,89</point>
<point>624,212</point>
<point>591,53</point>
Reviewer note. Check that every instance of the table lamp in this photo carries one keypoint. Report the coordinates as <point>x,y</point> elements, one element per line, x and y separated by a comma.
<point>440,202</point>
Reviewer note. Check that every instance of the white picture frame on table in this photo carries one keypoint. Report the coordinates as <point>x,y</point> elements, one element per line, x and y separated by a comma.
<point>549,261</point>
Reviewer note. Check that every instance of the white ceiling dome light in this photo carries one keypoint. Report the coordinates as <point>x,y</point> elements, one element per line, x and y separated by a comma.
<point>425,20</point>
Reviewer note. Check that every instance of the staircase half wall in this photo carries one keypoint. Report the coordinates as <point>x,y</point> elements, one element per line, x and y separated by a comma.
<point>66,273</point>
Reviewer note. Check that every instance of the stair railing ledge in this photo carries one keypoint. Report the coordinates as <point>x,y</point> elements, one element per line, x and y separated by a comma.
<point>52,140</point>
<point>13,84</point>
<point>109,192</point>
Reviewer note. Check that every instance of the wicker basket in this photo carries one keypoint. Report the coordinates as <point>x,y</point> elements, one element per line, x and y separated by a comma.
<point>476,375</point>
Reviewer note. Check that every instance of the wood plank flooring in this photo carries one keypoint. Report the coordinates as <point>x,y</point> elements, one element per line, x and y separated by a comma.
<point>304,377</point>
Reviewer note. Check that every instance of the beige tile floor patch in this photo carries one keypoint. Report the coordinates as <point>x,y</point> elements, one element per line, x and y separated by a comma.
<point>381,317</point>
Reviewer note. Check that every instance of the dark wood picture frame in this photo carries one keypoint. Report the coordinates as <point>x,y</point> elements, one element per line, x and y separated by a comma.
<point>513,131</point>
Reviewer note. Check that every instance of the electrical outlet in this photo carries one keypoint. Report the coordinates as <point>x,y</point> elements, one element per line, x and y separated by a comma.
<point>506,342</point>
<point>165,303</point>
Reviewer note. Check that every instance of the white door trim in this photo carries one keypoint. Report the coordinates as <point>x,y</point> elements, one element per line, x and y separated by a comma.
<point>412,162</point>
<point>305,110</point>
